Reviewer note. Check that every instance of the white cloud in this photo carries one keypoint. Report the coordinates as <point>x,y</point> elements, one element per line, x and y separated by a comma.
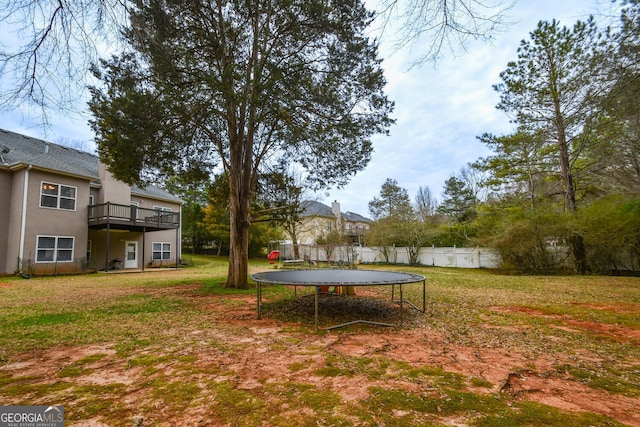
<point>440,110</point>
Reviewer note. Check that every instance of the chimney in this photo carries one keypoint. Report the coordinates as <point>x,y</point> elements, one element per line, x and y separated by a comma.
<point>46,148</point>
<point>335,209</point>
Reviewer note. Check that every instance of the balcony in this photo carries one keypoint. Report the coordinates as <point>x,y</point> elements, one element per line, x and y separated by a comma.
<point>131,218</point>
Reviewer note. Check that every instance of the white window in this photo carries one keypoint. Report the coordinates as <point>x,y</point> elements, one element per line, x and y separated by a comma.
<point>57,196</point>
<point>162,209</point>
<point>161,250</point>
<point>54,249</point>
<point>91,199</point>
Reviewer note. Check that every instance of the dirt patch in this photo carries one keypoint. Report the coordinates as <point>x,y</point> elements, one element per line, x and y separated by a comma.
<point>615,332</point>
<point>625,308</point>
<point>258,353</point>
<point>569,324</point>
<point>571,396</point>
<point>526,310</point>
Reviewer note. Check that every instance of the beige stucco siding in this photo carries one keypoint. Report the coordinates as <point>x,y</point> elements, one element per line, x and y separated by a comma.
<point>15,221</point>
<point>113,191</point>
<point>118,239</point>
<point>311,228</point>
<point>36,237</point>
<point>6,180</point>
<point>43,221</point>
<point>117,248</point>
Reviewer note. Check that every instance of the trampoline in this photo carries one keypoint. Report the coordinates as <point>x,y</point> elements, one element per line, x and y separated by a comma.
<point>326,277</point>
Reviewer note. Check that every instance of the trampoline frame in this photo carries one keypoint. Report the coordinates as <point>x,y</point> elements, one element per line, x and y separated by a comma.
<point>407,278</point>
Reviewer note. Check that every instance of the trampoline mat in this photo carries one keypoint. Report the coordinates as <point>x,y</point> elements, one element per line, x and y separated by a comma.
<point>336,277</point>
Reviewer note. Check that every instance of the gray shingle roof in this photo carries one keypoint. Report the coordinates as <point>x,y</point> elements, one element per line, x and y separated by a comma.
<point>313,208</point>
<point>155,192</point>
<point>17,149</point>
<point>354,217</point>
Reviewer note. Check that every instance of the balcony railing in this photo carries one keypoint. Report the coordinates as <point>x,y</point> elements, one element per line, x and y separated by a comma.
<point>132,216</point>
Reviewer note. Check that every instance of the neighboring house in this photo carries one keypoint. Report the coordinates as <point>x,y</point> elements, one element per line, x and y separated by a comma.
<point>318,220</point>
<point>63,212</point>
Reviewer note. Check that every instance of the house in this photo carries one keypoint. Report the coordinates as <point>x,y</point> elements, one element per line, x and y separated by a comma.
<point>318,220</point>
<point>65,213</point>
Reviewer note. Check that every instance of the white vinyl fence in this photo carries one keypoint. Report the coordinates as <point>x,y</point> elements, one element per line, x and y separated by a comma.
<point>438,257</point>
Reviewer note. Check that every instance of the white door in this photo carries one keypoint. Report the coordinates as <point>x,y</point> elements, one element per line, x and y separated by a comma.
<point>131,256</point>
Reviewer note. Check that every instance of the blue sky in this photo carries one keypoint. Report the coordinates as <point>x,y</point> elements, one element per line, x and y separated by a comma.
<point>440,109</point>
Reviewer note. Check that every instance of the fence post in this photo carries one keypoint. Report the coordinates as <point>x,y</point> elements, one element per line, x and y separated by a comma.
<point>455,256</point>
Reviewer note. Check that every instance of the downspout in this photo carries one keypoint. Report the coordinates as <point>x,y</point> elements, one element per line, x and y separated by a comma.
<point>144,243</point>
<point>179,238</point>
<point>23,219</point>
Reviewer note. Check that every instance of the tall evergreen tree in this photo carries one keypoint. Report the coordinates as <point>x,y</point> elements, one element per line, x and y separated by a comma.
<point>194,194</point>
<point>622,126</point>
<point>393,202</point>
<point>458,201</point>
<point>556,88</point>
<point>519,167</point>
<point>243,84</point>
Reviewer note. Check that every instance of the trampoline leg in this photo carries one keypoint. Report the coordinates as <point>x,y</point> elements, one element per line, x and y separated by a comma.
<point>259,298</point>
<point>401,309</point>
<point>316,305</point>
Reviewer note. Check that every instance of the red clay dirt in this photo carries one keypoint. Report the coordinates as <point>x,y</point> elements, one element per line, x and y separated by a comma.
<point>508,370</point>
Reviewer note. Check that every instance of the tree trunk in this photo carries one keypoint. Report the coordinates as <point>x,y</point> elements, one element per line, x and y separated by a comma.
<point>576,241</point>
<point>296,251</point>
<point>237,276</point>
<point>239,199</point>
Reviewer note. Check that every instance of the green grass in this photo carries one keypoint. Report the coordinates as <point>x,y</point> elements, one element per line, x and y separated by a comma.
<point>175,357</point>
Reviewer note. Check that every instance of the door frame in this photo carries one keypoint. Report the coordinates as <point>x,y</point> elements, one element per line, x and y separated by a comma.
<point>130,263</point>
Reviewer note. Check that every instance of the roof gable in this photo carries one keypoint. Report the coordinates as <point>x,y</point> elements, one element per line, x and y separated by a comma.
<point>313,208</point>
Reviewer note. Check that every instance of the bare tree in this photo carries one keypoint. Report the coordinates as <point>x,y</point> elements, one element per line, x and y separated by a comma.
<point>476,180</point>
<point>77,144</point>
<point>57,40</point>
<point>425,204</point>
<point>444,24</point>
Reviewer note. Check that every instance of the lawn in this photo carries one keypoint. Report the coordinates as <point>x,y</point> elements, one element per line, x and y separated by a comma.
<point>175,348</point>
